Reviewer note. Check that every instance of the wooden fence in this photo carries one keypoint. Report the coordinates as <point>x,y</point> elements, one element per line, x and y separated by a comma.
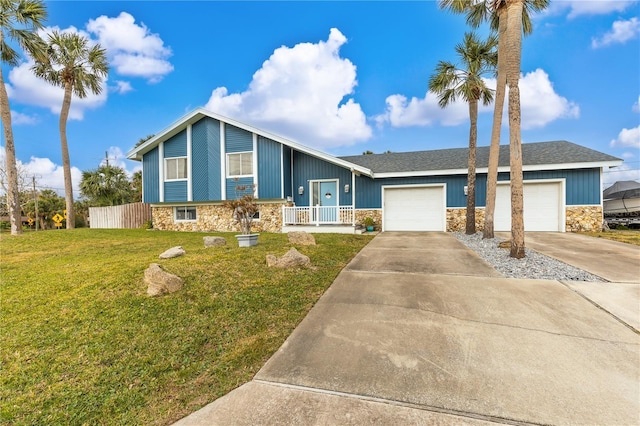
<point>124,216</point>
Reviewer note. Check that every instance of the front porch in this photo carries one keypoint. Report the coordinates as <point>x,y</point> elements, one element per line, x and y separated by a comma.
<point>319,219</point>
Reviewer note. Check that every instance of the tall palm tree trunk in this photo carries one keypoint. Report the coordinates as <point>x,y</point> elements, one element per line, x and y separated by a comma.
<point>514,50</point>
<point>13,192</point>
<point>494,150</point>
<point>66,163</point>
<point>471,173</point>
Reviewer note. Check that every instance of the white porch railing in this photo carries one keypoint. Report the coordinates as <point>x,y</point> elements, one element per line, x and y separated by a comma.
<point>317,215</point>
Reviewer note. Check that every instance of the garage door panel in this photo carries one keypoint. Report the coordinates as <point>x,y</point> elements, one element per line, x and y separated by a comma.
<point>414,209</point>
<point>543,205</point>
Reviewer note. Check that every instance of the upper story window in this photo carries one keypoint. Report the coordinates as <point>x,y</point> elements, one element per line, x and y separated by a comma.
<point>175,168</point>
<point>240,164</point>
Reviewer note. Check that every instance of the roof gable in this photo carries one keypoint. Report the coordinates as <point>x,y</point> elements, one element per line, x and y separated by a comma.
<point>199,113</point>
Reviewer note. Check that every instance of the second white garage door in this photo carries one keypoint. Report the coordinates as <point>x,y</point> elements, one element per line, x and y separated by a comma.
<point>543,207</point>
<point>414,208</point>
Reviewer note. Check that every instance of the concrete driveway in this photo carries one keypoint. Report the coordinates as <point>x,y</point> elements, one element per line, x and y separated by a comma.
<point>418,330</point>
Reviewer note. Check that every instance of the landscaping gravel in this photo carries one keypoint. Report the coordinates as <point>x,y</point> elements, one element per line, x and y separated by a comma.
<point>533,266</point>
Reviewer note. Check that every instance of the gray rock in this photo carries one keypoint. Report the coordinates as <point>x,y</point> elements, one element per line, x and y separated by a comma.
<point>301,238</point>
<point>214,241</point>
<point>173,252</point>
<point>160,282</point>
<point>291,259</point>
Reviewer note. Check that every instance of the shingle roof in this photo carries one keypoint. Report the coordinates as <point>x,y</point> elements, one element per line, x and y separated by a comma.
<point>538,153</point>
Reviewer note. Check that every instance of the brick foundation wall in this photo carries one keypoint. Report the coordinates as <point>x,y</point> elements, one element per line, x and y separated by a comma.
<point>215,217</point>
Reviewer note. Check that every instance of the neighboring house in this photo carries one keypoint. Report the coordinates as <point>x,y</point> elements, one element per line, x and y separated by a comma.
<point>196,163</point>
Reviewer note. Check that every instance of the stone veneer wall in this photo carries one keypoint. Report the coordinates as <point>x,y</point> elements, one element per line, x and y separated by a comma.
<point>215,217</point>
<point>457,219</point>
<point>583,218</point>
<point>578,218</point>
<point>375,214</point>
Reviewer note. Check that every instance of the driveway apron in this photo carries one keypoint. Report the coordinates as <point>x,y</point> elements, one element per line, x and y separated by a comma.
<point>417,329</point>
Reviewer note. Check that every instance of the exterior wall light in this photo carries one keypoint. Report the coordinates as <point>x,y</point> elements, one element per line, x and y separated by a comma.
<point>301,190</point>
<point>346,188</point>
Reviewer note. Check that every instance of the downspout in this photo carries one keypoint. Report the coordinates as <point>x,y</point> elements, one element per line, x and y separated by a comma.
<point>353,197</point>
<point>189,165</point>
<point>223,164</point>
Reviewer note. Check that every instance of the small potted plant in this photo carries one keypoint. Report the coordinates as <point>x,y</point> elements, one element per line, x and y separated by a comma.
<point>244,208</point>
<point>368,223</point>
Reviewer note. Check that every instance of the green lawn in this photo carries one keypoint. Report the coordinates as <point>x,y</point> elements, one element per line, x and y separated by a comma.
<point>629,236</point>
<point>81,343</point>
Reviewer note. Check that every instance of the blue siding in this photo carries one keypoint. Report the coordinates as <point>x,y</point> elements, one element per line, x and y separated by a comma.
<point>306,168</point>
<point>369,191</point>
<point>237,140</point>
<point>232,183</point>
<point>176,146</point>
<point>175,191</point>
<point>286,166</point>
<point>269,169</point>
<point>205,149</point>
<point>151,176</point>
<point>582,187</point>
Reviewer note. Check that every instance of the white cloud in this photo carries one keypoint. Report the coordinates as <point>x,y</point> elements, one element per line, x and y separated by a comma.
<point>621,32</point>
<point>590,7</point>
<point>300,92</point>
<point>627,138</point>
<point>121,87</point>
<point>623,172</point>
<point>540,105</point>
<point>25,88</point>
<point>133,49</point>
<point>18,118</point>
<point>48,174</point>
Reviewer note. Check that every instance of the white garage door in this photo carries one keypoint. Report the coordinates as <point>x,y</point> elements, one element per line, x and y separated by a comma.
<point>543,207</point>
<point>420,208</point>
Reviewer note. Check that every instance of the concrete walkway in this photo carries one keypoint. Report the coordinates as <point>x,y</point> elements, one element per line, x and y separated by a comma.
<point>418,330</point>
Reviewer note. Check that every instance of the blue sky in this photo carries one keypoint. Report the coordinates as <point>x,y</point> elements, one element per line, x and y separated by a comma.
<point>342,77</point>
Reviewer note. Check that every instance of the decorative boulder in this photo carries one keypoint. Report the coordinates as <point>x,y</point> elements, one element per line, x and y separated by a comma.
<point>301,238</point>
<point>173,252</point>
<point>291,259</point>
<point>214,241</point>
<point>160,282</point>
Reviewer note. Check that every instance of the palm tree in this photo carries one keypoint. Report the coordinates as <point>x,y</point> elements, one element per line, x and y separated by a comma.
<point>19,21</point>
<point>107,186</point>
<point>510,28</point>
<point>76,67</point>
<point>449,83</point>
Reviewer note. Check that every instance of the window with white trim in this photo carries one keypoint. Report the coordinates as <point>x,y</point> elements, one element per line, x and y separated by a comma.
<point>175,168</point>
<point>185,213</point>
<point>240,164</point>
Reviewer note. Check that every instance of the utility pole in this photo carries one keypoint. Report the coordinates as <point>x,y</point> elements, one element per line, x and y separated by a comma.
<point>106,158</point>
<point>35,196</point>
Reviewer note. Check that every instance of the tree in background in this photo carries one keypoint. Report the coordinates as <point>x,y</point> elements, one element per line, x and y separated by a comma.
<point>510,18</point>
<point>49,203</point>
<point>76,67</point>
<point>19,21</point>
<point>136,183</point>
<point>477,58</point>
<point>107,186</point>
